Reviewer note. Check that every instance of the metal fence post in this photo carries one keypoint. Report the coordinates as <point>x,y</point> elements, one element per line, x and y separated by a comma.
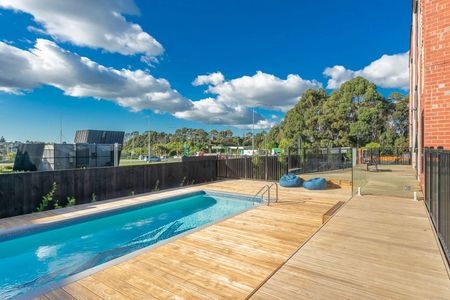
<point>438,162</point>
<point>226,165</point>
<point>266,168</point>
<point>289,158</point>
<point>245,167</point>
<point>116,154</point>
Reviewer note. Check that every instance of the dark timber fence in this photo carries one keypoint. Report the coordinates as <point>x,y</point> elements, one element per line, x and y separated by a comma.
<point>437,193</point>
<point>21,193</point>
<point>272,167</point>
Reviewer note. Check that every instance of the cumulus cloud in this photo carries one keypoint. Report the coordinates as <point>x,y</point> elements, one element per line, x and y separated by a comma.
<point>261,124</point>
<point>213,79</point>
<point>389,71</point>
<point>212,111</point>
<point>98,24</point>
<point>48,64</point>
<point>263,90</point>
<point>234,99</point>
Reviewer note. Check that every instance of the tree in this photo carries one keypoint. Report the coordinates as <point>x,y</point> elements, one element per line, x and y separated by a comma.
<point>2,139</point>
<point>397,127</point>
<point>304,121</point>
<point>356,113</point>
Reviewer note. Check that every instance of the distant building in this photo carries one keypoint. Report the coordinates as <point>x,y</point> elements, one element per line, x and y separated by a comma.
<point>90,150</point>
<point>99,137</point>
<point>7,148</point>
<point>429,77</point>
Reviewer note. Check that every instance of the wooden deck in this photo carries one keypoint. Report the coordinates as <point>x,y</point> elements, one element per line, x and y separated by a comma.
<point>225,260</point>
<point>376,247</point>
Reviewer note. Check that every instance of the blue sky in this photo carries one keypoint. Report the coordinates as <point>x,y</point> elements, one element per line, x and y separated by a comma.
<point>291,43</point>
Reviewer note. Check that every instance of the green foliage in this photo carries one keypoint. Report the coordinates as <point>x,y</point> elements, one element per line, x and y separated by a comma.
<point>171,144</point>
<point>373,145</point>
<point>93,198</point>
<point>48,199</point>
<point>56,204</point>
<point>354,114</point>
<point>71,201</point>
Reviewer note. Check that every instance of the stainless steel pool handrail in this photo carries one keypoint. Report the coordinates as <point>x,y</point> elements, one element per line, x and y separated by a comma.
<point>261,191</point>
<point>266,189</point>
<point>276,190</point>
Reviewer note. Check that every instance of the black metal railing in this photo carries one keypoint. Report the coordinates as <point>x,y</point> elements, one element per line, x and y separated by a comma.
<point>387,156</point>
<point>437,192</point>
<point>272,167</point>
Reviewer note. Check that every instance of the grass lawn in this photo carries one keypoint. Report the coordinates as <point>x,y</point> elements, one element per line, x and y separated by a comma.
<point>131,162</point>
<point>137,162</point>
<point>6,168</point>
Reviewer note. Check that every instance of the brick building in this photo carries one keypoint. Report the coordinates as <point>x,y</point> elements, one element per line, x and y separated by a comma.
<point>429,77</point>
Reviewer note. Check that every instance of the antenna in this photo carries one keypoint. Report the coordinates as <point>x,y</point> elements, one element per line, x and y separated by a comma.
<point>253,132</point>
<point>60,130</point>
<point>149,145</point>
<point>61,135</point>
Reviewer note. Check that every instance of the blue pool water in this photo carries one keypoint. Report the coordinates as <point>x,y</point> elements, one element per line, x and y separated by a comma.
<point>33,260</point>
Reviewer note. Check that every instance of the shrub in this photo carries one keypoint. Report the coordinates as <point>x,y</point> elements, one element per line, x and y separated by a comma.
<point>47,199</point>
<point>71,201</point>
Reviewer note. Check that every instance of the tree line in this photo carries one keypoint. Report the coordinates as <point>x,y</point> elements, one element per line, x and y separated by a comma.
<point>194,139</point>
<point>355,114</point>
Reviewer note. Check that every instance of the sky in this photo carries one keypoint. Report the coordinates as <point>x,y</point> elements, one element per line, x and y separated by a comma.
<point>166,64</point>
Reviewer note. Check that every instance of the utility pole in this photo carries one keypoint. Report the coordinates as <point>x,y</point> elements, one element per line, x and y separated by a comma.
<point>132,145</point>
<point>60,130</point>
<point>265,143</point>
<point>253,132</point>
<point>299,143</point>
<point>149,142</point>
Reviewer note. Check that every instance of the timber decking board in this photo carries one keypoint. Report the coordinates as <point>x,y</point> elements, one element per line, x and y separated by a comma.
<point>372,248</point>
<point>375,247</point>
<point>226,260</point>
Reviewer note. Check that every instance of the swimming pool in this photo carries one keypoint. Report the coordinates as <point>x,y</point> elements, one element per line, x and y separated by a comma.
<point>41,257</point>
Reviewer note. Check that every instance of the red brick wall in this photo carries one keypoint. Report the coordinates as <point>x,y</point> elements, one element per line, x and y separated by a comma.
<point>435,69</point>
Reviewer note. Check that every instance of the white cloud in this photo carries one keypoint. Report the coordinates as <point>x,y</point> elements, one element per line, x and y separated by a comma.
<point>234,99</point>
<point>263,90</point>
<point>213,79</point>
<point>389,71</point>
<point>211,111</point>
<point>95,24</point>
<point>48,64</point>
<point>261,124</point>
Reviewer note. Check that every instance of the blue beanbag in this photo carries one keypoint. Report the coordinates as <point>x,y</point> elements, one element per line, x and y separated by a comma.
<point>315,184</point>
<point>290,180</point>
